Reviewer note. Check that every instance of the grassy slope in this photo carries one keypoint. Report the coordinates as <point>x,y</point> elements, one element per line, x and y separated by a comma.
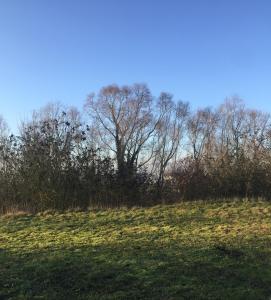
<point>185,251</point>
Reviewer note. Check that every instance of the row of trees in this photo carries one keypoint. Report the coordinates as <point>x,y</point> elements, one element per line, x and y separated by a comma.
<point>128,147</point>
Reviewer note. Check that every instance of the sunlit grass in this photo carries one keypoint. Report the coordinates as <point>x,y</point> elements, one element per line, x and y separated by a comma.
<point>193,250</point>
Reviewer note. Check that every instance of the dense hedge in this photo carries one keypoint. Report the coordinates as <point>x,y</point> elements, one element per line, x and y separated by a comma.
<point>130,148</point>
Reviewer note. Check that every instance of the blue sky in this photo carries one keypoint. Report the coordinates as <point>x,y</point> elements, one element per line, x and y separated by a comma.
<point>200,50</point>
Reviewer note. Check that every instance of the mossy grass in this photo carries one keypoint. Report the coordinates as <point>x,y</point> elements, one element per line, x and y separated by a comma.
<point>191,250</point>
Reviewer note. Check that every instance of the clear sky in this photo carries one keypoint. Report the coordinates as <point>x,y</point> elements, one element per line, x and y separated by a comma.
<point>200,50</point>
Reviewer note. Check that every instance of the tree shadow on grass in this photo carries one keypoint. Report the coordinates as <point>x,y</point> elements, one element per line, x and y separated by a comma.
<point>137,271</point>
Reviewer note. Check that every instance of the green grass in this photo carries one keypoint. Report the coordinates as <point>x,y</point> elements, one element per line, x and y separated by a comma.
<point>194,250</point>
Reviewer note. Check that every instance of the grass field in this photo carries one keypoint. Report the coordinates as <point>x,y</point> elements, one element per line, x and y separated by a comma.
<point>194,250</point>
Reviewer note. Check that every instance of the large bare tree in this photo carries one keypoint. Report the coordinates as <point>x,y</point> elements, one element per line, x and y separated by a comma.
<point>125,123</point>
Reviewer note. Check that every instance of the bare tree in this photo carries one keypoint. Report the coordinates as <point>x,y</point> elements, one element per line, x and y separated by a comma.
<point>201,131</point>
<point>125,123</point>
<point>4,143</point>
<point>4,130</point>
<point>169,133</point>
